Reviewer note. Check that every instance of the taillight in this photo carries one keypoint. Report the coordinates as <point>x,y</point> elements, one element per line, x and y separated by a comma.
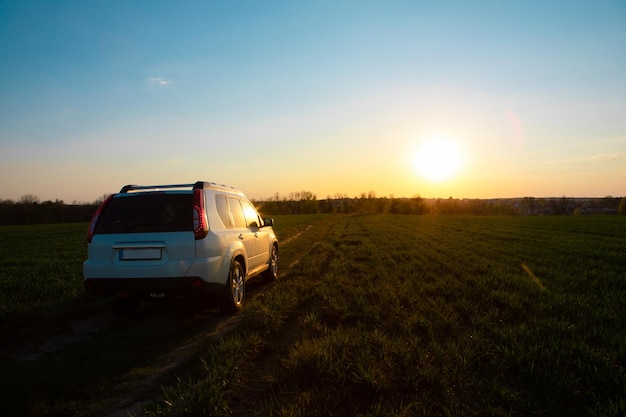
<point>200,223</point>
<point>94,218</point>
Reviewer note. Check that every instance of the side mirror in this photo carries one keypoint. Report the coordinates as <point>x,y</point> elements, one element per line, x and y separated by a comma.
<point>268,222</point>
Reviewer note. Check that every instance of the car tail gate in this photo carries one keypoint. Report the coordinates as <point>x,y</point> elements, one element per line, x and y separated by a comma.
<point>150,255</point>
<point>146,233</point>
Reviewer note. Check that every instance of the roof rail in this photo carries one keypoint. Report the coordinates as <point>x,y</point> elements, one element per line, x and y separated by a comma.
<point>129,188</point>
<point>207,184</point>
<point>198,185</point>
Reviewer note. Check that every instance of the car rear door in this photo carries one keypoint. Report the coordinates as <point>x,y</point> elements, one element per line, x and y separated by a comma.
<point>261,236</point>
<point>244,233</point>
<point>143,235</point>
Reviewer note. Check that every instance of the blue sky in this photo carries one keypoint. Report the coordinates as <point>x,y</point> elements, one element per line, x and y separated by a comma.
<point>324,96</point>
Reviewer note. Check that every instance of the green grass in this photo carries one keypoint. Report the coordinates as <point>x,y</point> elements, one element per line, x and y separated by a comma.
<point>290,225</point>
<point>403,316</point>
<point>378,316</point>
<point>41,292</point>
<point>40,265</point>
<point>40,278</point>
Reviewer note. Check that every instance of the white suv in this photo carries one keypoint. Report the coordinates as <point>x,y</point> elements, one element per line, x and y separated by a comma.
<point>186,239</point>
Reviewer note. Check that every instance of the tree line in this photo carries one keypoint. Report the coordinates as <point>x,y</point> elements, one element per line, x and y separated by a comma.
<point>306,202</point>
<point>30,210</point>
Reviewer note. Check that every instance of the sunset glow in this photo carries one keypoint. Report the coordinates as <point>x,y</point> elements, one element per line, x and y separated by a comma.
<point>336,98</point>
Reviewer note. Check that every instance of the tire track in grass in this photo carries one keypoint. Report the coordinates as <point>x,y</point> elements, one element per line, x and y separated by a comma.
<point>87,327</point>
<point>81,329</point>
<point>246,400</point>
<point>176,359</point>
<point>171,362</point>
<point>97,323</point>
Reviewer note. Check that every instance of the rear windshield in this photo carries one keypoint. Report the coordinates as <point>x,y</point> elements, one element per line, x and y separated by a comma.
<point>147,212</point>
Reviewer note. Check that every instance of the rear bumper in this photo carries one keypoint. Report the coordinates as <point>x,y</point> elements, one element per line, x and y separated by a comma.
<point>146,287</point>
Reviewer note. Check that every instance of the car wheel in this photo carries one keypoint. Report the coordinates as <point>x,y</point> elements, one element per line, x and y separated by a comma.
<point>271,273</point>
<point>235,289</point>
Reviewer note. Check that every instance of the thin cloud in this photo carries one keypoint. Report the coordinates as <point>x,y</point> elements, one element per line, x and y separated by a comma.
<point>159,81</point>
<point>590,155</point>
<point>596,157</point>
<point>608,156</point>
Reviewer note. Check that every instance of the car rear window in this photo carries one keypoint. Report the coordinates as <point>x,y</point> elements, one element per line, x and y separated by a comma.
<point>147,212</point>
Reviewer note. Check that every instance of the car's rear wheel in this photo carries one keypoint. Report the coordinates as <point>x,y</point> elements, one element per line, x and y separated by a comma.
<point>271,273</point>
<point>235,288</point>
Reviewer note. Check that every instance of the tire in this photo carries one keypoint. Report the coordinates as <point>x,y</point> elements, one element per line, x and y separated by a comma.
<point>235,289</point>
<point>271,273</point>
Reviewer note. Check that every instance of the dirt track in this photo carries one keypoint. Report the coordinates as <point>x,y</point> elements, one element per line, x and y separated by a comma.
<point>100,322</point>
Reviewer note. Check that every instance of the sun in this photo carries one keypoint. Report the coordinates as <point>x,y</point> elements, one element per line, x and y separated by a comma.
<point>438,159</point>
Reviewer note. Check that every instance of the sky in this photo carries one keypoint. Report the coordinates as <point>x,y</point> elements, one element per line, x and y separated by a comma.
<point>469,99</point>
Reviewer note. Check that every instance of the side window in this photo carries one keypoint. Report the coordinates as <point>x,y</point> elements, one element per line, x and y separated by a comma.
<point>222,210</point>
<point>252,218</point>
<point>237,212</point>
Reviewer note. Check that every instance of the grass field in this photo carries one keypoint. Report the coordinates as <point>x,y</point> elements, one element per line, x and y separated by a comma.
<point>373,315</point>
<point>40,275</point>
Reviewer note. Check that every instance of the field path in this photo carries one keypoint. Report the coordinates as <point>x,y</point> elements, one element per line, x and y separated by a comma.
<point>292,249</point>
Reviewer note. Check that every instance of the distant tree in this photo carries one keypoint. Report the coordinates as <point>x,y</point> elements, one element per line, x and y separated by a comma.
<point>298,202</point>
<point>561,206</point>
<point>400,206</point>
<point>28,199</point>
<point>622,206</point>
<point>446,207</point>
<point>101,199</point>
<point>528,205</point>
<point>415,205</point>
<point>369,204</point>
<point>304,202</point>
<point>326,206</point>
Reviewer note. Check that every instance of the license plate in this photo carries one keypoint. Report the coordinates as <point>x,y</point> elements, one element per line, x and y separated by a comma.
<point>140,254</point>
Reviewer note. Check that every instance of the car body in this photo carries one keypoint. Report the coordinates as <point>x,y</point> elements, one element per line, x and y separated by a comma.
<point>200,239</point>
